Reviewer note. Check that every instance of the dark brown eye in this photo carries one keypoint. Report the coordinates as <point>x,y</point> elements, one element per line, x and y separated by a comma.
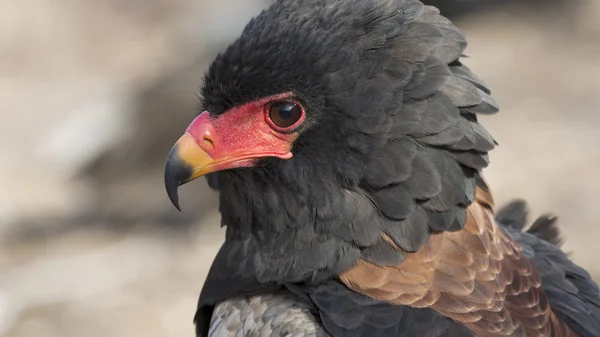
<point>285,114</point>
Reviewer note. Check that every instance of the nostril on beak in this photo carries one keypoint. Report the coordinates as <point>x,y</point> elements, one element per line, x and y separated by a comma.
<point>209,145</point>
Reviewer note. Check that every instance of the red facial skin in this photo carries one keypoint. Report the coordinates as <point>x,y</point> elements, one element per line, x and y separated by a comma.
<point>238,137</point>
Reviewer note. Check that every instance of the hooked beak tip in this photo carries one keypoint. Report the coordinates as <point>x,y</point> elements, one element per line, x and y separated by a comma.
<point>173,196</point>
<point>177,173</point>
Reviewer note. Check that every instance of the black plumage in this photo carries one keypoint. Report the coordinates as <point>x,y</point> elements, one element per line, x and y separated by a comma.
<point>389,156</point>
<point>342,312</point>
<point>381,80</point>
<point>346,313</point>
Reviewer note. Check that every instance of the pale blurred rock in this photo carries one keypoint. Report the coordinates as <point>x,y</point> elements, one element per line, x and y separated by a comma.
<point>76,85</point>
<point>69,74</point>
<point>35,197</point>
<point>589,12</point>
<point>120,278</point>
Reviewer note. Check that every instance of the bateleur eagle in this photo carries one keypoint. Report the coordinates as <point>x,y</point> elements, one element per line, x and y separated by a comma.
<point>343,139</point>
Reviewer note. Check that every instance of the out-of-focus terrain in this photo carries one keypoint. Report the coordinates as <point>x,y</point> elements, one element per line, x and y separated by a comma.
<point>93,94</point>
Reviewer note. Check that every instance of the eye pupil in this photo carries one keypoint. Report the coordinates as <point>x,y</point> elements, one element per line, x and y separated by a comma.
<point>285,111</point>
<point>285,114</point>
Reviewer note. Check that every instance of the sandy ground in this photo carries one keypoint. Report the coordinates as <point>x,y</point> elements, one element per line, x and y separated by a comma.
<point>90,245</point>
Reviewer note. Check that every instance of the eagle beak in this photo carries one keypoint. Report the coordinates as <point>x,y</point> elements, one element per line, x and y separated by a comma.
<point>186,162</point>
<point>221,143</point>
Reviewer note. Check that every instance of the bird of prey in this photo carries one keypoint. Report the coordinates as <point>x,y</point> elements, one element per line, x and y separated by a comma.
<point>343,138</point>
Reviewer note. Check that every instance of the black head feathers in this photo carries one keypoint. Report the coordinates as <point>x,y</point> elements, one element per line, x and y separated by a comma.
<point>391,144</point>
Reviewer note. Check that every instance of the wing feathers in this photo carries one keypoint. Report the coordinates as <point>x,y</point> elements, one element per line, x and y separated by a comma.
<point>476,276</point>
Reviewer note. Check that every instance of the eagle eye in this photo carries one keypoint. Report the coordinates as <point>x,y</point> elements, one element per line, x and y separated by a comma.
<point>285,115</point>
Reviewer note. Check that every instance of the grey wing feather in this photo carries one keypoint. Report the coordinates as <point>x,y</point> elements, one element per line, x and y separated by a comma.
<point>265,315</point>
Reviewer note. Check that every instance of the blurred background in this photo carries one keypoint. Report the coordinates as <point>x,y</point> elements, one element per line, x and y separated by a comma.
<point>94,93</point>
